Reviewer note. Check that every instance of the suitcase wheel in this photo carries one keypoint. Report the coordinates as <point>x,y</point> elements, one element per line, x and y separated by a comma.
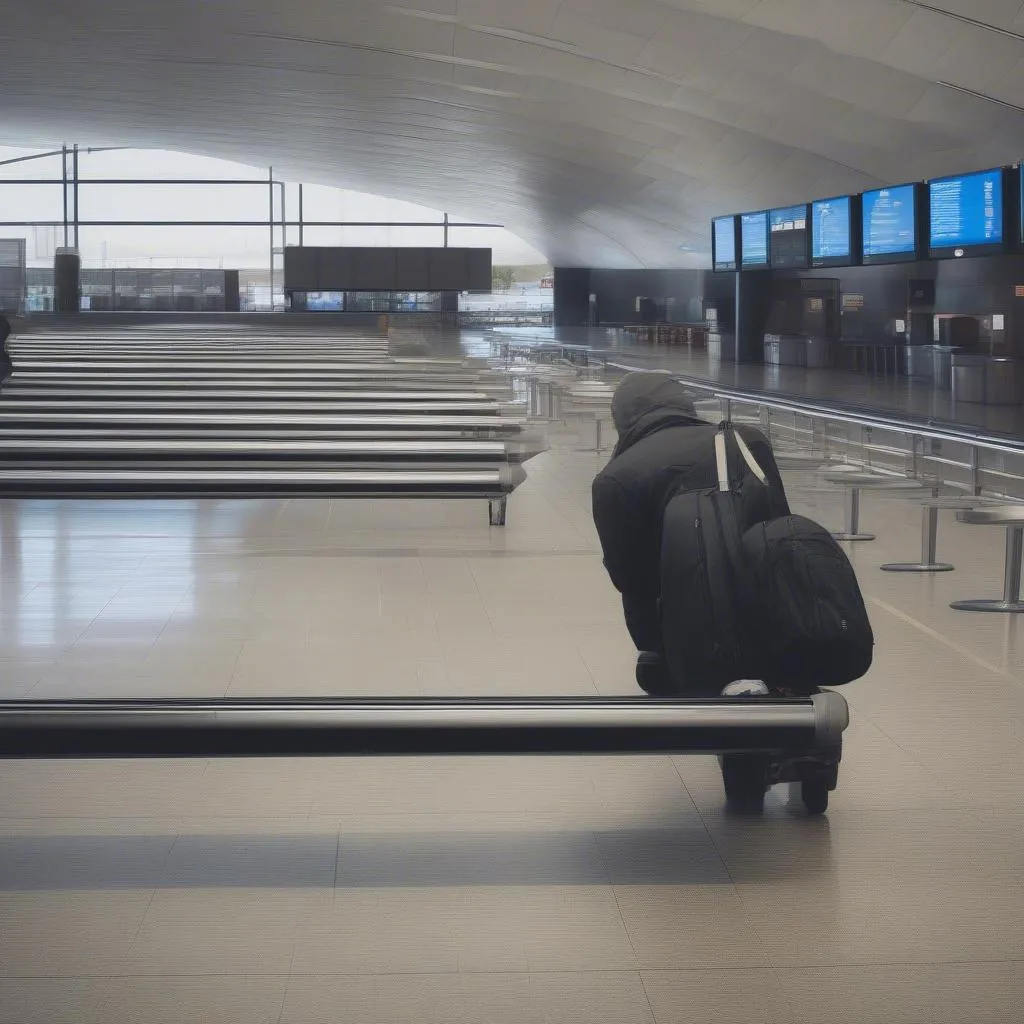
<point>746,781</point>
<point>814,793</point>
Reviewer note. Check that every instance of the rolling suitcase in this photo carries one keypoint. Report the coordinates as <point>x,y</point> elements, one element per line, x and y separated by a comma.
<point>706,638</point>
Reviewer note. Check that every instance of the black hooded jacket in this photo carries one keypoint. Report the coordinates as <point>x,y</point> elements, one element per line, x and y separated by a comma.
<point>663,449</point>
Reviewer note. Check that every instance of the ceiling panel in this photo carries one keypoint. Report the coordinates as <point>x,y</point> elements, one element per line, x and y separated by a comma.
<point>605,132</point>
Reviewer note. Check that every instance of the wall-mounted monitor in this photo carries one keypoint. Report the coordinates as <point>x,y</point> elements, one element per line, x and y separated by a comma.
<point>834,232</point>
<point>724,243</point>
<point>788,242</point>
<point>890,221</point>
<point>754,241</point>
<point>967,214</point>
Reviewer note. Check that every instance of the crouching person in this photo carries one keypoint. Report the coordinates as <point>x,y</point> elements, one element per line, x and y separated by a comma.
<point>662,450</point>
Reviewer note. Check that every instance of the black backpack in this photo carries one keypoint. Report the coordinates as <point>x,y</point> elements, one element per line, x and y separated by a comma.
<point>745,595</point>
<point>809,619</point>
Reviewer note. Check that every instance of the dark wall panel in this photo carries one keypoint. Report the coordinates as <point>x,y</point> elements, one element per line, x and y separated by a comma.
<point>448,270</point>
<point>351,268</point>
<point>680,295</point>
<point>302,269</point>
<point>373,270</point>
<point>480,269</point>
<point>335,270</point>
<point>412,268</point>
<point>572,296</point>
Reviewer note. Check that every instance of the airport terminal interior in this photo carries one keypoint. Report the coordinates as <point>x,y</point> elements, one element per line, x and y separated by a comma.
<point>317,702</point>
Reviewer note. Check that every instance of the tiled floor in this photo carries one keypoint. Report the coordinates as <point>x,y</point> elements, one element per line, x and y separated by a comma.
<point>591,890</point>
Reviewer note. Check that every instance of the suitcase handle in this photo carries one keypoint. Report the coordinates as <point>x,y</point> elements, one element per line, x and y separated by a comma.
<point>722,458</point>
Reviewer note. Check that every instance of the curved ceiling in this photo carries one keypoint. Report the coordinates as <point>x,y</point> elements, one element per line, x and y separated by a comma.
<point>604,132</point>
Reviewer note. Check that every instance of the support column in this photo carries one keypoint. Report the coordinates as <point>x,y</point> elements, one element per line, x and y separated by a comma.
<point>572,296</point>
<point>67,281</point>
<point>754,294</point>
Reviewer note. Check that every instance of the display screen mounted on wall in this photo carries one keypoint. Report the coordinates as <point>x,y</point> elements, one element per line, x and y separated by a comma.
<point>966,214</point>
<point>724,243</point>
<point>788,241</point>
<point>832,232</point>
<point>889,220</point>
<point>754,240</point>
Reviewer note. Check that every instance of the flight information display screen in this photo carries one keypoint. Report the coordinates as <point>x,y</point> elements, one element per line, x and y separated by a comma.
<point>788,243</point>
<point>966,213</point>
<point>724,232</point>
<point>890,224</point>
<point>832,232</point>
<point>754,240</point>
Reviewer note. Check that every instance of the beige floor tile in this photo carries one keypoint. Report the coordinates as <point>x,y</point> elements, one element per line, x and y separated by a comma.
<point>226,860</point>
<point>475,929</point>
<point>67,934</point>
<point>837,920</point>
<point>728,996</point>
<point>944,993</point>
<point>203,931</point>
<point>217,1000</point>
<point>98,789</point>
<point>49,1000</point>
<point>703,925</point>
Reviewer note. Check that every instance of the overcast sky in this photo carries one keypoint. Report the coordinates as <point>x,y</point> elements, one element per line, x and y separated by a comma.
<point>229,247</point>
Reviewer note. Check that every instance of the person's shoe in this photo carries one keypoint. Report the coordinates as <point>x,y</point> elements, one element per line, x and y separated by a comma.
<point>652,675</point>
<point>746,688</point>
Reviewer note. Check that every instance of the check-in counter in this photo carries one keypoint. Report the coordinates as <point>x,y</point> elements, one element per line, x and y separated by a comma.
<point>919,361</point>
<point>722,348</point>
<point>942,365</point>
<point>821,354</point>
<point>969,378</point>
<point>1004,381</point>
<point>930,362</point>
<point>988,380</point>
<point>792,351</point>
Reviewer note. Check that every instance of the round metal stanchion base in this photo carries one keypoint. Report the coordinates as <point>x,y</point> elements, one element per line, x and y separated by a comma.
<point>1003,607</point>
<point>918,567</point>
<point>853,536</point>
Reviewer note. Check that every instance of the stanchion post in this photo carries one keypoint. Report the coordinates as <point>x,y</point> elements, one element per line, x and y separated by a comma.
<point>1014,558</point>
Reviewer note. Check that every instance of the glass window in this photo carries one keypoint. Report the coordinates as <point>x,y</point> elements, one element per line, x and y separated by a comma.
<point>142,203</point>
<point>30,203</point>
<point>381,237</point>
<point>190,248</point>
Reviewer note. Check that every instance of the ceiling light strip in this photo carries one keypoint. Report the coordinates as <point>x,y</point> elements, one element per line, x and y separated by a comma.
<point>981,96</point>
<point>965,19</point>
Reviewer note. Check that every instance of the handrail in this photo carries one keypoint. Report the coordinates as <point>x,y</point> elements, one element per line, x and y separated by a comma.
<point>924,428</point>
<point>931,429</point>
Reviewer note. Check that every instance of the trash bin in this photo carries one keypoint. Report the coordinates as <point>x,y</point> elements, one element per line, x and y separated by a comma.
<point>722,348</point>
<point>919,361</point>
<point>1003,381</point>
<point>820,353</point>
<point>969,378</point>
<point>942,365</point>
<point>771,349</point>
<point>792,351</point>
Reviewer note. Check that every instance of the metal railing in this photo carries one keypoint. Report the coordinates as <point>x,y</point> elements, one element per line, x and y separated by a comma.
<point>973,461</point>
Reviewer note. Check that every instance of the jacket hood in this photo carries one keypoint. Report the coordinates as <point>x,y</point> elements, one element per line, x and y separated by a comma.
<point>648,401</point>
